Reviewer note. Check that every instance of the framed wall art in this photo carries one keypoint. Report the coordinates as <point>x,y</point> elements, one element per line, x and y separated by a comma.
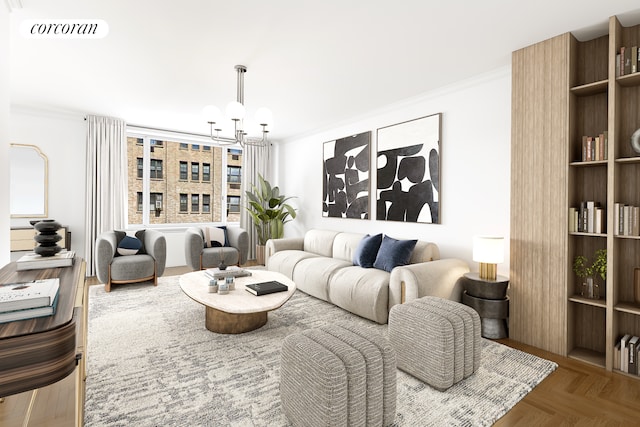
<point>408,171</point>
<point>346,177</point>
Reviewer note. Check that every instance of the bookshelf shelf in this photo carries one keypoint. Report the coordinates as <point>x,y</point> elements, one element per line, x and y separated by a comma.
<point>628,160</point>
<point>628,307</point>
<point>629,80</point>
<point>591,88</point>
<point>589,164</point>
<point>620,236</point>
<point>589,356</point>
<point>579,233</point>
<point>589,301</point>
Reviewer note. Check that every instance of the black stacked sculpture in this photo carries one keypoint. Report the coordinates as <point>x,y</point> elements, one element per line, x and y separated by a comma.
<point>47,237</point>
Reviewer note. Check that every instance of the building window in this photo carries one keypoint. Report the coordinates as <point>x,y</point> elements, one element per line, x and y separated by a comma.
<point>140,167</point>
<point>195,203</point>
<point>156,169</point>
<point>195,147</point>
<point>235,153</point>
<point>155,201</point>
<point>233,204</point>
<point>206,172</point>
<point>195,171</point>
<point>234,174</point>
<point>156,143</point>
<point>139,141</point>
<point>184,146</point>
<point>184,202</point>
<point>206,148</point>
<point>184,171</point>
<point>139,208</point>
<point>206,203</point>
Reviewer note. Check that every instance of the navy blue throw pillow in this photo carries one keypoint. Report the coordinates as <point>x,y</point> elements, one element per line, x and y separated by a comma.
<point>394,253</point>
<point>129,246</point>
<point>367,249</point>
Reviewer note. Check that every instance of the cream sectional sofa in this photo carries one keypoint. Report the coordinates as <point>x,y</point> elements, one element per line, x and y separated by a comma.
<point>321,265</point>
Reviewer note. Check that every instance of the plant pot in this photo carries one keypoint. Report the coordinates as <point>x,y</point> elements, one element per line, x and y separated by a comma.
<point>260,254</point>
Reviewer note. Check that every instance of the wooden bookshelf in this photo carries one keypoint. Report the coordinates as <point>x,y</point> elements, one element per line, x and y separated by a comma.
<point>564,89</point>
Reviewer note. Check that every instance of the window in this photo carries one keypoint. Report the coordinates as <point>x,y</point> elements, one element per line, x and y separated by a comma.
<point>235,154</point>
<point>234,174</point>
<point>184,171</point>
<point>195,171</point>
<point>156,169</point>
<point>233,204</point>
<point>195,203</point>
<point>184,202</point>
<point>195,147</point>
<point>186,195</point>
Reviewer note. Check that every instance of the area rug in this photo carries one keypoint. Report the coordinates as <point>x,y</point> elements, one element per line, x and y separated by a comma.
<point>151,362</point>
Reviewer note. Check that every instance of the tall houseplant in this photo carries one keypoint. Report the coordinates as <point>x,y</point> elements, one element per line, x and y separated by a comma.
<point>269,213</point>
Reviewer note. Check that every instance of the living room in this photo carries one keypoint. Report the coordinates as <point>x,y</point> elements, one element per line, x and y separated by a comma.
<point>475,104</point>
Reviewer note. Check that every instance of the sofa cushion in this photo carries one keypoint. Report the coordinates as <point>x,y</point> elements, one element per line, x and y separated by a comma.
<point>285,261</point>
<point>320,242</point>
<point>362,291</point>
<point>215,237</point>
<point>129,246</point>
<point>367,251</point>
<point>393,253</point>
<point>345,245</point>
<point>312,275</point>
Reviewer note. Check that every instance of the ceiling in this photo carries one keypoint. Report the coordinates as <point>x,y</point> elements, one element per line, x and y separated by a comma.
<point>315,64</point>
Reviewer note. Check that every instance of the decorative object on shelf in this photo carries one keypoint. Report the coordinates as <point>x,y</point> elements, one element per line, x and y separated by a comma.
<point>47,237</point>
<point>635,141</point>
<point>235,112</point>
<point>269,213</point>
<point>489,252</point>
<point>598,268</point>
<point>213,286</point>
<point>222,266</point>
<point>346,177</point>
<point>409,171</point>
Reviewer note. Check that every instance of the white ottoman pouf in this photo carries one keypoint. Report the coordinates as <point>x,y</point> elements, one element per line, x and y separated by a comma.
<point>436,340</point>
<point>338,375</point>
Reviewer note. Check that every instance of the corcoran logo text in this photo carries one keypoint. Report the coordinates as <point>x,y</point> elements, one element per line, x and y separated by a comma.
<point>64,28</point>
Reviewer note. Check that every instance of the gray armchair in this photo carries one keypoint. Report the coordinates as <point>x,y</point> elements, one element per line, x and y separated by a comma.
<point>199,257</point>
<point>148,264</point>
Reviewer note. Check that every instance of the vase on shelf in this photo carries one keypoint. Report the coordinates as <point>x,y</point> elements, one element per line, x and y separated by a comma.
<point>47,237</point>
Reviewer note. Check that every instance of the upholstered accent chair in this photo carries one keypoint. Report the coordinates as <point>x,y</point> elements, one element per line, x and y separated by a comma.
<point>120,258</point>
<point>202,253</point>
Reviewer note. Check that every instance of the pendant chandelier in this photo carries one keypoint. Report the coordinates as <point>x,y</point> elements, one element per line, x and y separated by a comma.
<point>235,112</point>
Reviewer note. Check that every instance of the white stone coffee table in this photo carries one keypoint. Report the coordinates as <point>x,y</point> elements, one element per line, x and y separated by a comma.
<point>238,311</point>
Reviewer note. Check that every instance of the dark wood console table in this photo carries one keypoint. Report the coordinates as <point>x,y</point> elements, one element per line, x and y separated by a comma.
<point>36,354</point>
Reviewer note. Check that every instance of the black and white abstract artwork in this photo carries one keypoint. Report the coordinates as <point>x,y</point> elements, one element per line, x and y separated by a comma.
<point>408,179</point>
<point>346,177</point>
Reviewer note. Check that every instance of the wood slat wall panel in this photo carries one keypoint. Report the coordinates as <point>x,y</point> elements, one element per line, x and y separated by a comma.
<point>539,163</point>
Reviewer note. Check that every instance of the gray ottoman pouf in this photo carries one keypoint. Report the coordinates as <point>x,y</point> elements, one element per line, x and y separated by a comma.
<point>436,340</point>
<point>338,375</point>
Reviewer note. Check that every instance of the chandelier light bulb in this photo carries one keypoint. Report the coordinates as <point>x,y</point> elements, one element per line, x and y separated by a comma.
<point>212,114</point>
<point>235,111</point>
<point>264,116</point>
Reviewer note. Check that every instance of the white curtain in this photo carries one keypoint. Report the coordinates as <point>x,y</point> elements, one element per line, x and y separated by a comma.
<point>106,185</point>
<point>255,160</point>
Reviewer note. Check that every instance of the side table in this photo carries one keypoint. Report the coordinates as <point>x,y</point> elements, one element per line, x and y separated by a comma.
<point>489,298</point>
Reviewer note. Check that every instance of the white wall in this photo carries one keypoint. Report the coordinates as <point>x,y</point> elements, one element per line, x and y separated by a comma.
<point>62,138</point>
<point>4,134</point>
<point>475,167</point>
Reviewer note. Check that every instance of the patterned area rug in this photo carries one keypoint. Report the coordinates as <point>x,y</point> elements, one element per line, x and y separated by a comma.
<point>151,362</point>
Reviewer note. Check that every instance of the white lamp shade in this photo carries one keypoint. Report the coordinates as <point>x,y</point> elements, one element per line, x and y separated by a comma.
<point>489,250</point>
<point>235,111</point>
<point>212,114</point>
<point>264,116</point>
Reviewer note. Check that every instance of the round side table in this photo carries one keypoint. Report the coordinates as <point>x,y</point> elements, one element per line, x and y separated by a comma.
<point>489,298</point>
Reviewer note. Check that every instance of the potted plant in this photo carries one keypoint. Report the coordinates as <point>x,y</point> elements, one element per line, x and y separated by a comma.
<point>269,213</point>
<point>589,272</point>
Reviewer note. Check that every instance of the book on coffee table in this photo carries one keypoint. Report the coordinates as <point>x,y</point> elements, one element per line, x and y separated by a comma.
<point>231,271</point>
<point>264,288</point>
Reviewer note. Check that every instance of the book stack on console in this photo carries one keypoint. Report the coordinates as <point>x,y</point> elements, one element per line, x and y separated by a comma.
<point>33,261</point>
<point>216,273</point>
<point>27,300</point>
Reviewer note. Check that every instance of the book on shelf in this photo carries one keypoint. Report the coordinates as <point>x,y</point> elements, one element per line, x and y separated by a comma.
<point>616,356</point>
<point>594,148</point>
<point>30,313</point>
<point>588,217</point>
<point>264,288</point>
<point>624,353</point>
<point>231,271</point>
<point>626,220</point>
<point>633,353</point>
<point>634,59</point>
<point>25,295</point>
<point>33,261</point>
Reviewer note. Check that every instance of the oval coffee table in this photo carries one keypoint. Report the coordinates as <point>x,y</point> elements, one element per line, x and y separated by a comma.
<point>238,311</point>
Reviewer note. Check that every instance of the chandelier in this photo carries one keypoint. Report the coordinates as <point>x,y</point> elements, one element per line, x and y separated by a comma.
<point>235,112</point>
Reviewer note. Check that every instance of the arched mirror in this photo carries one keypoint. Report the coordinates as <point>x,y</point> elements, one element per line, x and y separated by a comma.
<point>28,176</point>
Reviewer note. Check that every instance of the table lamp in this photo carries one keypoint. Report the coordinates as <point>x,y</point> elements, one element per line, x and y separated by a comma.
<point>488,251</point>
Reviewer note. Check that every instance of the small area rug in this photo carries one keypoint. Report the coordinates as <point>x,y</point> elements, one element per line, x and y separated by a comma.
<point>151,362</point>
